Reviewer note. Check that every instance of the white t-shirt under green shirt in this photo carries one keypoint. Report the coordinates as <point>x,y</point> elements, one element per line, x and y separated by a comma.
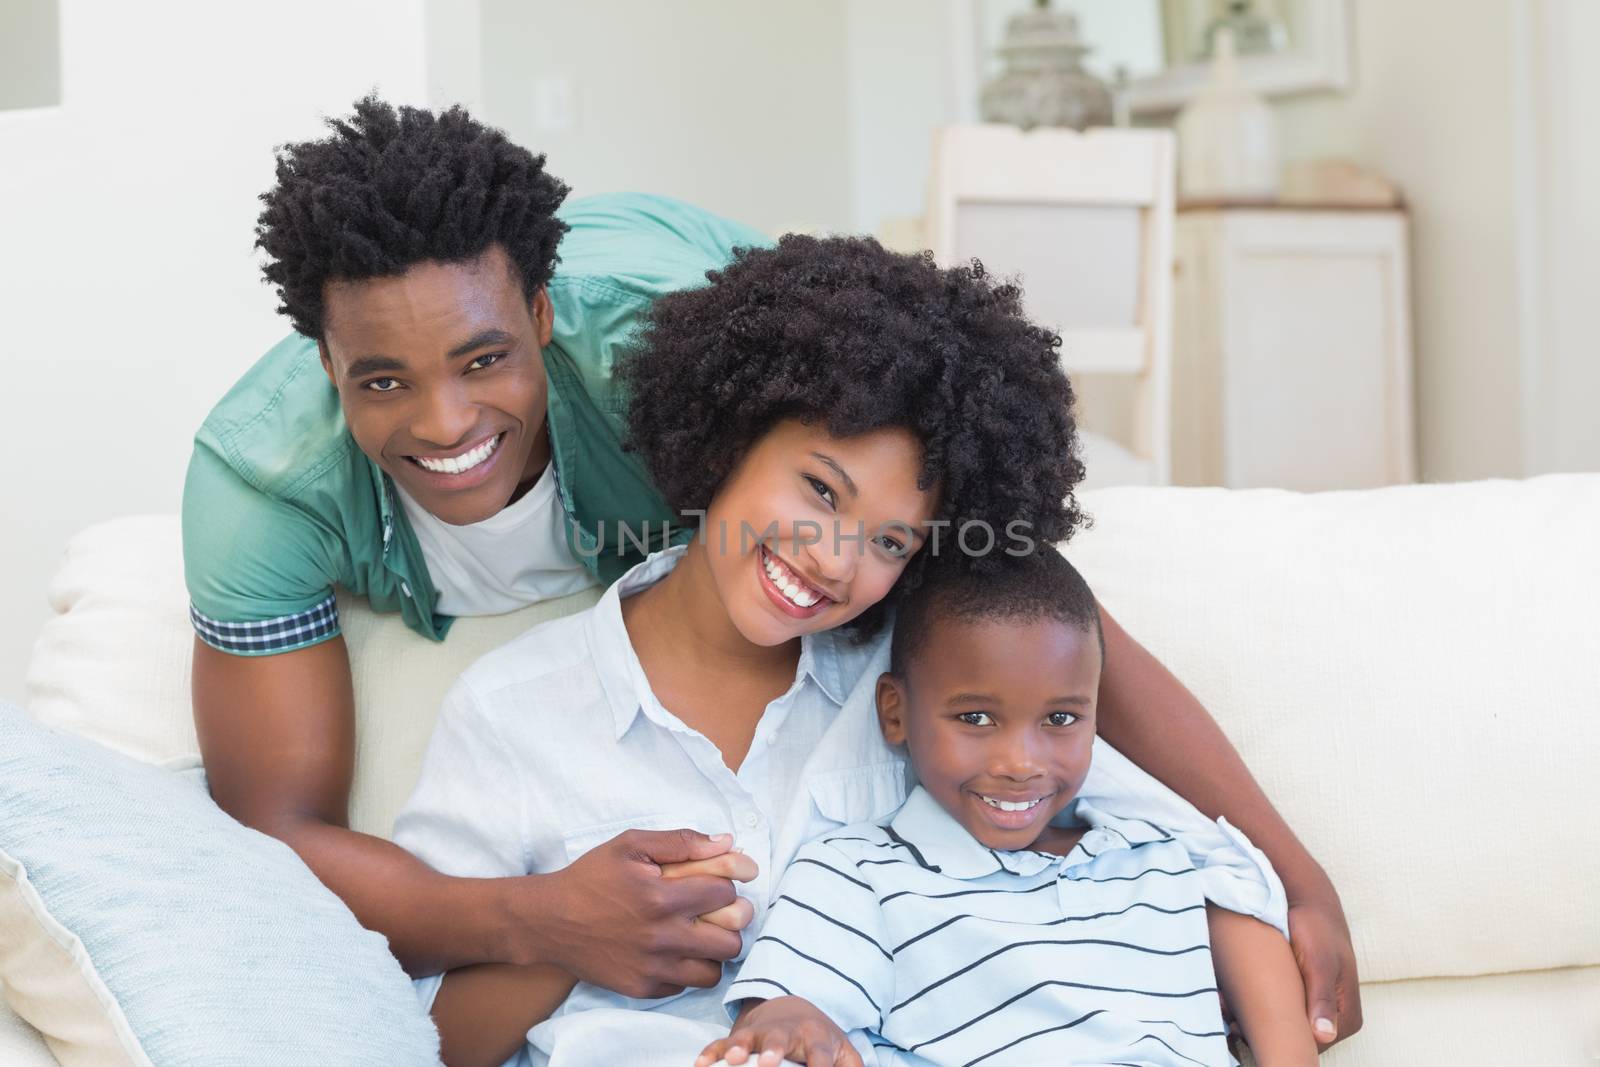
<point>514,558</point>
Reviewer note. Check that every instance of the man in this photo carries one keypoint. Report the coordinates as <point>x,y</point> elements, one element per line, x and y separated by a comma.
<point>442,435</point>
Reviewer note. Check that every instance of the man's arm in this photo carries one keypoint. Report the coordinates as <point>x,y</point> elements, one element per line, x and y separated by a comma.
<point>278,737</point>
<point>1148,715</point>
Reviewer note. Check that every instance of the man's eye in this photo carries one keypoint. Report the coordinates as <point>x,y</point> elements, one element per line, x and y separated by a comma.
<point>484,362</point>
<point>821,488</point>
<point>383,385</point>
<point>976,718</point>
<point>1061,718</point>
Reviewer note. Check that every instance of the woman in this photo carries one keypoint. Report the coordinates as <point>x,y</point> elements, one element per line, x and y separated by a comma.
<point>829,411</point>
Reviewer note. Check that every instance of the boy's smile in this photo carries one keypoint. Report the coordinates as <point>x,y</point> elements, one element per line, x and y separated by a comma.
<point>441,378</point>
<point>998,716</point>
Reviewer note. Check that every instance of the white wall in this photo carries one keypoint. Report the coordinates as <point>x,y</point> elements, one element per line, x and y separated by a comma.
<point>128,288</point>
<point>1486,119</point>
<point>1432,108</point>
<point>30,69</point>
<point>737,105</point>
<point>1559,218</point>
<point>909,69</point>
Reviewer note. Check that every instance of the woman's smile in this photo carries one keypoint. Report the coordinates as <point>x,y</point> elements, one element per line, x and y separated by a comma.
<point>777,538</point>
<point>786,588</point>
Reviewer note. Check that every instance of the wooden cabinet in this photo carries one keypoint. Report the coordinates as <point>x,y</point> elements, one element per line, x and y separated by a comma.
<point>1291,349</point>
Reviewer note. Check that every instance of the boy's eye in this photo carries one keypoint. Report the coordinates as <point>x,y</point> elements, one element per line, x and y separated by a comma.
<point>1061,718</point>
<point>383,385</point>
<point>821,489</point>
<point>492,358</point>
<point>976,718</point>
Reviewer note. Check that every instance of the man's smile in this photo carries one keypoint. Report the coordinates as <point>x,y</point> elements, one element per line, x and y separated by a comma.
<point>462,460</point>
<point>464,468</point>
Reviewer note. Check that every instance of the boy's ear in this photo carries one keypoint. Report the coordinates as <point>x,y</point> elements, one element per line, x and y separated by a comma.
<point>892,709</point>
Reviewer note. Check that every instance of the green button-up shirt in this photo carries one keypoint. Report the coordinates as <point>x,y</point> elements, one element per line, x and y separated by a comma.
<point>280,506</point>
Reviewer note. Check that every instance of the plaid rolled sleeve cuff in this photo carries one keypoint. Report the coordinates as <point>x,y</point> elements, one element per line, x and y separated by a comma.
<point>266,637</point>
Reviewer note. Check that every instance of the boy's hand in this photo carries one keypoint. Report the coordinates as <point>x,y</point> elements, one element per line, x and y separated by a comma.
<point>612,919</point>
<point>735,866</point>
<point>787,1027</point>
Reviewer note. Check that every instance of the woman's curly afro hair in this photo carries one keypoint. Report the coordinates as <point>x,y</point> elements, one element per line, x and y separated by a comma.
<point>841,333</point>
<point>393,187</point>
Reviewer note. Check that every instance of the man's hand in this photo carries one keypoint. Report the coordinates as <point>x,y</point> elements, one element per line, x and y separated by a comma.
<point>1148,714</point>
<point>613,919</point>
<point>1321,942</point>
<point>784,1028</point>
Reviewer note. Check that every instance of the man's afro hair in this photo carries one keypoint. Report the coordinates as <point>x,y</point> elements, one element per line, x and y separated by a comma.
<point>393,187</point>
<point>844,334</point>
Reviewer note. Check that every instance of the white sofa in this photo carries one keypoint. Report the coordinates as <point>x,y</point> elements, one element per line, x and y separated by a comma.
<point>1413,673</point>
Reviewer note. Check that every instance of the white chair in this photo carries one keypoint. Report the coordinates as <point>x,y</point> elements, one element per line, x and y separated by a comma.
<point>1085,221</point>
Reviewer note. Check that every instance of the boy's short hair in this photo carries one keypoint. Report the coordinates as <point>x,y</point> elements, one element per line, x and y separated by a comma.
<point>1038,585</point>
<point>393,187</point>
<point>843,333</point>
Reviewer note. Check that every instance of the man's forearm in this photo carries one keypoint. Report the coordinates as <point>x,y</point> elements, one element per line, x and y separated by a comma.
<point>433,922</point>
<point>278,737</point>
<point>1149,716</point>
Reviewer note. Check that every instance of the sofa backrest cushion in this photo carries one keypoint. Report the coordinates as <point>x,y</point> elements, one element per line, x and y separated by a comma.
<point>113,663</point>
<point>1412,673</point>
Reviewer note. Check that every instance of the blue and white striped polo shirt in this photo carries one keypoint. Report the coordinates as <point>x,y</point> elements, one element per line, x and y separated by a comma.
<point>947,952</point>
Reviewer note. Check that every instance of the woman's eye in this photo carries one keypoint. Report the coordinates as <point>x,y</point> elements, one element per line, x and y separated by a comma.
<point>1061,718</point>
<point>383,385</point>
<point>821,489</point>
<point>976,718</point>
<point>484,362</point>
<point>892,546</point>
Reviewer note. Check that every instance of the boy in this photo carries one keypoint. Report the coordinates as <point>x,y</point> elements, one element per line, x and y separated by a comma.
<point>1001,915</point>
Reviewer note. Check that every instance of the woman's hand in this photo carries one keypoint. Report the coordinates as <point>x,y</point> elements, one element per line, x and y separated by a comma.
<point>787,1027</point>
<point>1321,942</point>
<point>734,866</point>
